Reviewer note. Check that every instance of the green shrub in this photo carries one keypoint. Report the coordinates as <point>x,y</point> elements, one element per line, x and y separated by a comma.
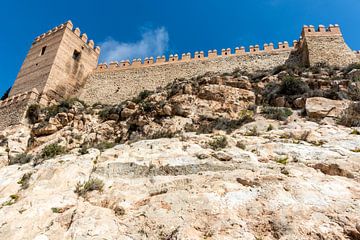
<point>282,160</point>
<point>104,145</point>
<point>277,113</point>
<point>142,96</point>
<point>24,181</point>
<point>355,132</point>
<point>21,158</point>
<point>52,150</point>
<point>252,132</point>
<point>293,86</point>
<point>218,143</point>
<point>352,67</point>
<point>13,199</point>
<point>91,185</point>
<point>63,106</point>
<point>33,113</point>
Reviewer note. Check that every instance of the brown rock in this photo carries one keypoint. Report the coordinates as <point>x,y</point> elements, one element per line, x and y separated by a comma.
<point>44,131</point>
<point>299,103</point>
<point>280,102</point>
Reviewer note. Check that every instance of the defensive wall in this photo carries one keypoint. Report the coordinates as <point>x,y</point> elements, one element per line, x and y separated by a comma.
<point>63,63</point>
<point>13,109</point>
<point>114,82</point>
<point>120,81</point>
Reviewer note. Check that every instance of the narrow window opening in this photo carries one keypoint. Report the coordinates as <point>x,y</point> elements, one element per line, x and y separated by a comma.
<point>76,55</point>
<point>148,62</point>
<point>43,51</point>
<point>309,30</point>
<point>225,53</point>
<point>124,64</point>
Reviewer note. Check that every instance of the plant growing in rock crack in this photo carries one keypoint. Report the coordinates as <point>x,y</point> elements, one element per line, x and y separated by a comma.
<point>282,160</point>
<point>277,113</point>
<point>52,150</point>
<point>13,199</point>
<point>252,132</point>
<point>21,158</point>
<point>93,184</point>
<point>218,143</point>
<point>24,181</point>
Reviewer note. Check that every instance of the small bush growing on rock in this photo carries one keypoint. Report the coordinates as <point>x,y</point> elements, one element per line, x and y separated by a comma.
<point>252,132</point>
<point>355,132</point>
<point>24,181</point>
<point>104,145</point>
<point>91,185</point>
<point>13,199</point>
<point>351,116</point>
<point>293,86</point>
<point>33,113</point>
<point>352,67</point>
<point>277,113</point>
<point>52,150</point>
<point>21,158</point>
<point>142,96</point>
<point>282,160</point>
<point>218,143</point>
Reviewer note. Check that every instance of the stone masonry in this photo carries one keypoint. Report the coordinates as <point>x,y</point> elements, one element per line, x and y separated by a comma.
<point>63,63</point>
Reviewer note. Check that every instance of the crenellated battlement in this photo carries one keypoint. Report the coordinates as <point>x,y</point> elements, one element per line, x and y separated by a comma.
<point>198,55</point>
<point>309,30</point>
<point>69,25</point>
<point>22,97</point>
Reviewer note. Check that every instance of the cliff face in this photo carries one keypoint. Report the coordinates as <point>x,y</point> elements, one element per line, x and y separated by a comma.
<point>267,155</point>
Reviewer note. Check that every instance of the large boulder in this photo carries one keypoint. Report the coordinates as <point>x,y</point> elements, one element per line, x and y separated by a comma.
<point>318,107</point>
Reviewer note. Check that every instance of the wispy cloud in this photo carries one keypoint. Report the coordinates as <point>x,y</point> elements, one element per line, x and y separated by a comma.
<point>153,42</point>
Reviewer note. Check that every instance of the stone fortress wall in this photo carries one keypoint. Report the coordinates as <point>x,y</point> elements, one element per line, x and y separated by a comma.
<point>13,109</point>
<point>122,80</point>
<point>63,63</point>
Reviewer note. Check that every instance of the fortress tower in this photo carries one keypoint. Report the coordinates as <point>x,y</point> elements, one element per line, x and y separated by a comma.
<point>325,45</point>
<point>57,64</point>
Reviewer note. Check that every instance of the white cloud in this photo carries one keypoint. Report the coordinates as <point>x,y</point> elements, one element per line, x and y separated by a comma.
<point>153,42</point>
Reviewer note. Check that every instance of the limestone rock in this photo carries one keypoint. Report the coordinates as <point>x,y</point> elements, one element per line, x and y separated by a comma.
<point>318,107</point>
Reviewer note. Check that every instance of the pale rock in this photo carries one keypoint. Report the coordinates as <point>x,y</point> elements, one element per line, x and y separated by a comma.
<point>318,107</point>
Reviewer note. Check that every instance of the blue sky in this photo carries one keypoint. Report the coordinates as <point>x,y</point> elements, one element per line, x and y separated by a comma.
<point>128,29</point>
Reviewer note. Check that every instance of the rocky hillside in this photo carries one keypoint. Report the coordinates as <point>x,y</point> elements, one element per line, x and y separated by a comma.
<point>266,155</point>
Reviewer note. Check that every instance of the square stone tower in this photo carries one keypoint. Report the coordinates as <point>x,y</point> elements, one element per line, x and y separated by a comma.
<point>325,45</point>
<point>57,64</point>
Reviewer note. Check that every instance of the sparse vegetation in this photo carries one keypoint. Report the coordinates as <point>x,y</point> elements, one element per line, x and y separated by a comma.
<point>241,145</point>
<point>33,113</point>
<point>277,113</point>
<point>21,158</point>
<point>142,96</point>
<point>218,143</point>
<point>252,132</point>
<point>282,160</point>
<point>13,199</point>
<point>93,184</point>
<point>24,181</point>
<point>351,116</point>
<point>52,150</point>
<point>355,132</point>
<point>293,86</point>
<point>270,128</point>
